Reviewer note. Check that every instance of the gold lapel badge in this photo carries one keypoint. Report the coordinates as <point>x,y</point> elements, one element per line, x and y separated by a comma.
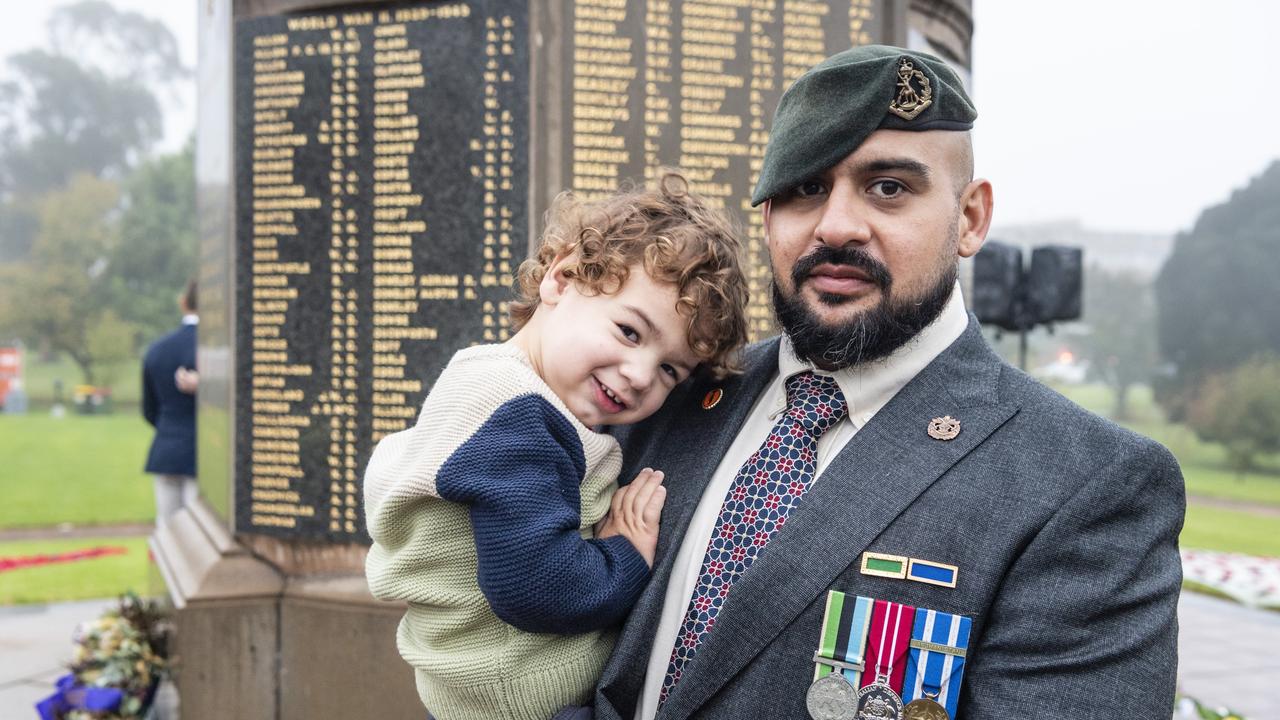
<point>712,398</point>
<point>944,428</point>
<point>911,101</point>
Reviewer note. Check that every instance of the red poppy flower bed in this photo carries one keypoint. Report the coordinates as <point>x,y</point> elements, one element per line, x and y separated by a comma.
<point>23,561</point>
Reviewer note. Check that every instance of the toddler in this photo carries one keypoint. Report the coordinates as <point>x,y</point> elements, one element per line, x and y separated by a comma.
<point>489,515</point>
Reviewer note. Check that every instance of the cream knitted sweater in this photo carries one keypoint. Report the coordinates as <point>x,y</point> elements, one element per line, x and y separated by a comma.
<point>481,516</point>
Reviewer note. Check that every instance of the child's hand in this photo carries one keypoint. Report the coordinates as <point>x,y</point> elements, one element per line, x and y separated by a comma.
<point>635,512</point>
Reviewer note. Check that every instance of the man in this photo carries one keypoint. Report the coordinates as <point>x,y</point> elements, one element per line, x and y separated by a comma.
<point>168,403</point>
<point>881,450</point>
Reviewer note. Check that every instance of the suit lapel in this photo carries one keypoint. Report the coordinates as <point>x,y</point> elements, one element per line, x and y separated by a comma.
<point>701,437</point>
<point>874,478</point>
<point>692,443</point>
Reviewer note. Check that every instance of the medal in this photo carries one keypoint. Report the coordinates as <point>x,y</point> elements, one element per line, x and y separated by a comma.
<point>878,701</point>
<point>838,661</point>
<point>924,709</point>
<point>831,697</point>
<point>887,643</point>
<point>935,664</point>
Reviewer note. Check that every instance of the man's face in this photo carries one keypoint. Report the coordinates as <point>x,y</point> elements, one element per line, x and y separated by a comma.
<point>864,255</point>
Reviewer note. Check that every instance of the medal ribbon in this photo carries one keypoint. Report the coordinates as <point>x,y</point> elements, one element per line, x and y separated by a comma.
<point>936,664</point>
<point>887,641</point>
<point>844,634</point>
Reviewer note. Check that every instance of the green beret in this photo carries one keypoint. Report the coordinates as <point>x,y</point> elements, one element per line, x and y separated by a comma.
<point>838,103</point>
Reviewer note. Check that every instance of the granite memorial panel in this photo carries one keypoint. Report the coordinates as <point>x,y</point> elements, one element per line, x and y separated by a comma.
<point>384,184</point>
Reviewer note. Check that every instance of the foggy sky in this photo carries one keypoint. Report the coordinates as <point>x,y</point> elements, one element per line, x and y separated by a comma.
<point>1128,115</point>
<point>1123,114</point>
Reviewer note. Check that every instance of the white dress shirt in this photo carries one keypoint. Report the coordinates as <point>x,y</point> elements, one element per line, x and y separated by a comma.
<point>866,389</point>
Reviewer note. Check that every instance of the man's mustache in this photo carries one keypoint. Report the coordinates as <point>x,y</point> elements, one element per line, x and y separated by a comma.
<point>850,255</point>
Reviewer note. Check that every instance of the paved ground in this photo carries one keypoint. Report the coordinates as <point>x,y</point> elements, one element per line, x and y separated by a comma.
<point>35,645</point>
<point>1228,654</point>
<point>1245,506</point>
<point>69,531</point>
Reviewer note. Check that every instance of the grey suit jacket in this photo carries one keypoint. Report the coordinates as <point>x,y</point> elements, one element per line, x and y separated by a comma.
<point>1064,527</point>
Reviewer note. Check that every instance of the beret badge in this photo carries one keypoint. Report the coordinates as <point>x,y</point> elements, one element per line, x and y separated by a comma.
<point>914,92</point>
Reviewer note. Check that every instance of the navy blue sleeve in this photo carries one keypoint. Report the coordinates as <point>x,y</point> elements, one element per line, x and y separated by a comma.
<point>149,403</point>
<point>520,475</point>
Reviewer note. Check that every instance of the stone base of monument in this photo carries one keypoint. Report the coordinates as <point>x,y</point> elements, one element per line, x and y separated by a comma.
<point>265,632</point>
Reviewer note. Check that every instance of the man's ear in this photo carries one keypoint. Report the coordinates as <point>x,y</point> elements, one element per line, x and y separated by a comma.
<point>975,207</point>
<point>554,283</point>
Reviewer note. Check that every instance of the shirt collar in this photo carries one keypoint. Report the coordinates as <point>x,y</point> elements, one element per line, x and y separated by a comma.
<point>869,387</point>
<point>191,319</point>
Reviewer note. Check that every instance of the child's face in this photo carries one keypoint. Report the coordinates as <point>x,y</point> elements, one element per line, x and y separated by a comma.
<point>612,359</point>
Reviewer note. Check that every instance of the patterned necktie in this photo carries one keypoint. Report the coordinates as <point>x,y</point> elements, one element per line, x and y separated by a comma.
<point>769,485</point>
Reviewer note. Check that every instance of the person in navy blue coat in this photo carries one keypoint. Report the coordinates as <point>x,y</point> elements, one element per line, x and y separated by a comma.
<point>169,404</point>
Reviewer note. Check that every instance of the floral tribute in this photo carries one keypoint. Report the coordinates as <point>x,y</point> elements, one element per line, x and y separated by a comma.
<point>1252,581</point>
<point>115,667</point>
<point>1191,709</point>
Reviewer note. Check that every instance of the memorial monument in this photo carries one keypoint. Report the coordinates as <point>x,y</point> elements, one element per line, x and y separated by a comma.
<point>370,175</point>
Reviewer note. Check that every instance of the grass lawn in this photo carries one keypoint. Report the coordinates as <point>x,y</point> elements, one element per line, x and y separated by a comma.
<point>1209,528</point>
<point>79,469</point>
<point>1203,464</point>
<point>1207,474</point>
<point>100,577</point>
<point>125,380</point>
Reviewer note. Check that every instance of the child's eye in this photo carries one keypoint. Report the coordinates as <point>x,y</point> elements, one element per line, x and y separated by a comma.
<point>671,370</point>
<point>629,332</point>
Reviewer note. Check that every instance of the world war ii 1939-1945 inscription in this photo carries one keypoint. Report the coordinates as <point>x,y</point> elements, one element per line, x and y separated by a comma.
<point>382,177</point>
<point>382,156</point>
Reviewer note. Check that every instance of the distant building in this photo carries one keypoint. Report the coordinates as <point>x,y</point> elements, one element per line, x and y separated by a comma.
<point>1139,253</point>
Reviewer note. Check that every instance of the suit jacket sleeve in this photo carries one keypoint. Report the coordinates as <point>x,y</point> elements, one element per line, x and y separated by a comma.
<point>1085,621</point>
<point>150,402</point>
<point>519,474</point>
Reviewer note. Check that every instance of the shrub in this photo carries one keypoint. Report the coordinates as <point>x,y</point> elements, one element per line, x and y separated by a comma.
<point>1240,409</point>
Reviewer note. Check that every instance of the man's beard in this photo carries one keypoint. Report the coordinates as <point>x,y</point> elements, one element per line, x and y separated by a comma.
<point>874,333</point>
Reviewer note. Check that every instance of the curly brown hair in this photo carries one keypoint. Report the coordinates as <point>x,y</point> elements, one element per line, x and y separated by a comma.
<point>674,235</point>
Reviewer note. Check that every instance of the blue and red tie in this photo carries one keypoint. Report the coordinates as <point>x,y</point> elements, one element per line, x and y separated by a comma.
<point>769,485</point>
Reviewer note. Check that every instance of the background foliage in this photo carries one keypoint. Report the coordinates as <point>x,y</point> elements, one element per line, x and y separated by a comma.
<point>1240,408</point>
<point>97,235</point>
<point>1218,293</point>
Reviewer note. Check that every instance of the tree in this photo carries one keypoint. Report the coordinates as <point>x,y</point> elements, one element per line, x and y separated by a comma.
<point>72,119</point>
<point>58,293</point>
<point>110,341</point>
<point>118,261</point>
<point>60,115</point>
<point>1121,343</point>
<point>73,247</point>
<point>1217,293</point>
<point>132,45</point>
<point>156,253</point>
<point>1240,409</point>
